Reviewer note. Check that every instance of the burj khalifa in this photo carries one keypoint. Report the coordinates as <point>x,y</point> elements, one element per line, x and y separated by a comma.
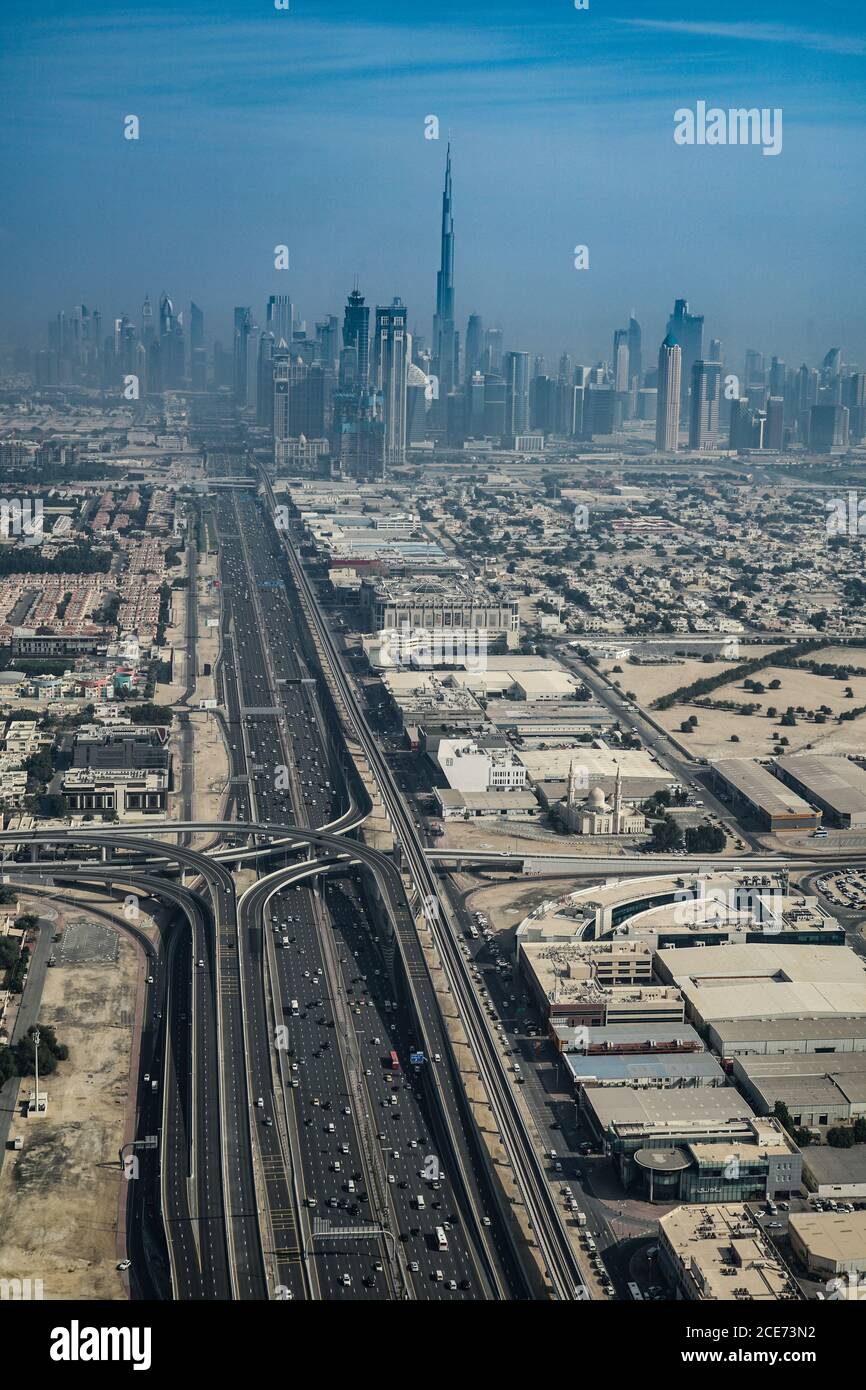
<point>446,343</point>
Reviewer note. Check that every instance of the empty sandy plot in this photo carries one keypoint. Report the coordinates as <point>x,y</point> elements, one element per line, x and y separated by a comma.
<point>59,1194</point>
<point>651,682</point>
<point>757,734</point>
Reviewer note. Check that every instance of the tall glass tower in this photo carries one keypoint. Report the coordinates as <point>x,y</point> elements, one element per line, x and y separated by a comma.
<point>445,341</point>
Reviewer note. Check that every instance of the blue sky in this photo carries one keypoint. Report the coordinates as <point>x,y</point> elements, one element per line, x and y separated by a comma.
<point>306,127</point>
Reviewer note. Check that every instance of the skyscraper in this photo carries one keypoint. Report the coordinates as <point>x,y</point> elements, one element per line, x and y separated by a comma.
<point>196,326</point>
<point>668,410</point>
<point>621,356</point>
<point>445,341</point>
<point>635,351</point>
<point>688,331</point>
<point>492,352</point>
<point>356,334</point>
<point>391,365</point>
<point>148,332</point>
<point>243,328</point>
<point>474,346</point>
<point>265,381</point>
<point>279,317</point>
<point>704,406</point>
<point>516,393</point>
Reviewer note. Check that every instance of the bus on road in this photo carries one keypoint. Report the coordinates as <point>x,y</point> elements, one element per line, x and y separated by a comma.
<point>394,1061</point>
<point>441,1238</point>
<point>635,1293</point>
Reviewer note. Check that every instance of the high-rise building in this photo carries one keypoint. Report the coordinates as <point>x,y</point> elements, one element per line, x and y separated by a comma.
<point>148,332</point>
<point>775,431</point>
<point>474,346</point>
<point>828,428</point>
<point>687,331</point>
<point>392,354</point>
<point>279,317</point>
<point>754,374</point>
<point>356,334</point>
<point>445,340</point>
<point>196,327</point>
<point>494,405</point>
<point>621,374</point>
<point>243,329</point>
<point>668,407</point>
<point>493,348</point>
<point>362,447</point>
<point>516,393</point>
<point>704,405</point>
<point>635,352</point>
<point>265,381</point>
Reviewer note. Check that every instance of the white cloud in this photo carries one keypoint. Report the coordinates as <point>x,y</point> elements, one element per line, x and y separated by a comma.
<point>850,44</point>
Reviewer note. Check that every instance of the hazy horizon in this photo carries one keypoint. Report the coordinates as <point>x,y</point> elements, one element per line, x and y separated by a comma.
<point>306,127</point>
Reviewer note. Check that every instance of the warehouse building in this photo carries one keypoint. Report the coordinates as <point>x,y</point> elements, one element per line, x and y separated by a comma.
<point>721,1252</point>
<point>776,1036</point>
<point>817,1090</point>
<point>837,785</point>
<point>831,1174</point>
<point>764,981</point>
<point>643,1069</point>
<point>829,1244</point>
<point>661,1039</point>
<point>755,793</point>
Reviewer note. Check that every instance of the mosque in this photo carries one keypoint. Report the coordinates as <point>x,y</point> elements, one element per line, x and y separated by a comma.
<point>593,814</point>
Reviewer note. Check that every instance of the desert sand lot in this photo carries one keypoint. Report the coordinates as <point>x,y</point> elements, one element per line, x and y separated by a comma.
<point>757,734</point>
<point>651,682</point>
<point>59,1195</point>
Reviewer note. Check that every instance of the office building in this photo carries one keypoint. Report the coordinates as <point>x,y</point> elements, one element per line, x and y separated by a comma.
<point>356,335</point>
<point>691,1144</point>
<point>240,354</point>
<point>668,400</point>
<point>828,428</point>
<point>516,394</point>
<point>704,405</point>
<point>392,353</point>
<point>688,331</point>
<point>720,1252</point>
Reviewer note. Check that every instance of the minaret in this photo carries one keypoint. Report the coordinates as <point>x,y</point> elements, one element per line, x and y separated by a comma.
<point>444,364</point>
<point>572,789</point>
<point>617,801</point>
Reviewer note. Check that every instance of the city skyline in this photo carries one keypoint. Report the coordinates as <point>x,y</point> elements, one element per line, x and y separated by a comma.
<point>216,180</point>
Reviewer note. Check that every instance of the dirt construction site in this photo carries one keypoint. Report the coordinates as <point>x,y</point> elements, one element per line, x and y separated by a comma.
<point>60,1194</point>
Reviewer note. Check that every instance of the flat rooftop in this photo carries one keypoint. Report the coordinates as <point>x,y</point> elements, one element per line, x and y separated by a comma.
<point>837,1079</point>
<point>795,1030</point>
<point>761,787</point>
<point>724,1254</point>
<point>828,1167</point>
<point>830,1235</point>
<point>638,1066</point>
<point>619,1035</point>
<point>836,781</point>
<point>673,1111</point>
<point>759,960</point>
<point>597,765</point>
